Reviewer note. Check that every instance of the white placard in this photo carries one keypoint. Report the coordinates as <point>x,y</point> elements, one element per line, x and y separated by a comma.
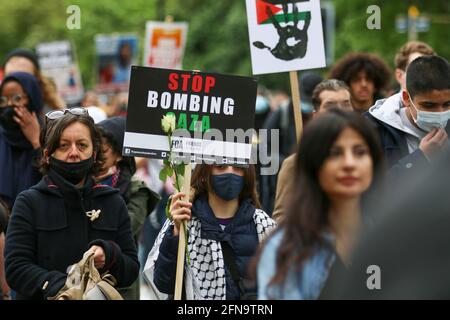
<point>58,62</point>
<point>285,35</point>
<point>164,44</point>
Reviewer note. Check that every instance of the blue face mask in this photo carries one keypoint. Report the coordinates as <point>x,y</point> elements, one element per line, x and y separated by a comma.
<point>427,120</point>
<point>306,107</point>
<point>262,105</point>
<point>227,186</point>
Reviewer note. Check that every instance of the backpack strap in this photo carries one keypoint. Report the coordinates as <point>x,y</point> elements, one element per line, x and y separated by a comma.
<point>230,263</point>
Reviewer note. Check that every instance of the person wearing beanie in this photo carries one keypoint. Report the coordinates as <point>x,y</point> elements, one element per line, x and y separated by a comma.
<point>20,107</point>
<point>21,60</point>
<point>118,172</point>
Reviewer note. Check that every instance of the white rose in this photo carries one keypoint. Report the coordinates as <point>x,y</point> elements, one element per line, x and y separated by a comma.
<point>168,123</point>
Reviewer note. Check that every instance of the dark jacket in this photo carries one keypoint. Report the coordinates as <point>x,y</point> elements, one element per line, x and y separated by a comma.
<point>241,235</point>
<point>49,231</point>
<point>395,148</point>
<point>385,114</point>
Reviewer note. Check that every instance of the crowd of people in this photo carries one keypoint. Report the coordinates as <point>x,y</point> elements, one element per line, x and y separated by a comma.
<point>66,189</point>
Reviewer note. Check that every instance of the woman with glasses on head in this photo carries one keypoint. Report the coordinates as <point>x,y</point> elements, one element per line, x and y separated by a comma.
<point>225,226</point>
<point>20,108</point>
<point>56,221</point>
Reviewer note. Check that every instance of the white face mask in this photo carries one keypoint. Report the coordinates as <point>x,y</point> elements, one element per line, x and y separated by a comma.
<point>427,120</point>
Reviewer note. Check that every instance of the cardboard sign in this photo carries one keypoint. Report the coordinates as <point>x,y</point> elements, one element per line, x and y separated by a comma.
<point>209,108</point>
<point>164,44</point>
<point>285,35</point>
<point>58,62</point>
<point>115,55</point>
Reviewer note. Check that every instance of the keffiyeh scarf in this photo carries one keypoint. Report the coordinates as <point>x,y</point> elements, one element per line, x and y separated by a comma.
<point>204,277</point>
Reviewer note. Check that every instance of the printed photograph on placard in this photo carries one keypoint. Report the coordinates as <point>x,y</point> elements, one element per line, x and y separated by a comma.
<point>115,55</point>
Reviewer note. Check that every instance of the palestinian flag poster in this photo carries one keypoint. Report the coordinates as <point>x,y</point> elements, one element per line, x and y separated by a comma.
<point>285,35</point>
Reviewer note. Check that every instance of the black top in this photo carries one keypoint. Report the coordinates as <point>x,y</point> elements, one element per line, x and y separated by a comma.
<point>338,268</point>
<point>49,230</point>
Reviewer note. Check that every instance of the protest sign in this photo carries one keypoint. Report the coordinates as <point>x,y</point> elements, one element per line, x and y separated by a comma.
<point>285,35</point>
<point>58,62</point>
<point>164,44</point>
<point>115,55</point>
<point>216,112</point>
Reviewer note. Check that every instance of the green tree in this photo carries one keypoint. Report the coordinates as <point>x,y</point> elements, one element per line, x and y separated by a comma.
<point>217,35</point>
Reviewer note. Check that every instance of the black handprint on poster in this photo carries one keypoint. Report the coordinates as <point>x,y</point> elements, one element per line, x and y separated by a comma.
<point>293,41</point>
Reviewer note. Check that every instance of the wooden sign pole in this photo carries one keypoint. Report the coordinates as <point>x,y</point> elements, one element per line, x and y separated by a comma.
<point>295,92</point>
<point>182,237</point>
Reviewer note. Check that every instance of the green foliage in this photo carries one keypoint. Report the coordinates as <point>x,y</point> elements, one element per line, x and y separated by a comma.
<point>352,33</point>
<point>217,34</point>
<point>179,169</point>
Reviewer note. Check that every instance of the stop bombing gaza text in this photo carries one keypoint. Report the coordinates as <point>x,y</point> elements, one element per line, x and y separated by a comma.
<point>190,101</point>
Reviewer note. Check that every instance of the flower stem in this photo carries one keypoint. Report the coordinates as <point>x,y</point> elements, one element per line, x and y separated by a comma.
<point>178,187</point>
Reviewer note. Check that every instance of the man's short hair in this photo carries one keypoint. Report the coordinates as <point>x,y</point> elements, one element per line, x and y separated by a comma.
<point>427,73</point>
<point>402,57</point>
<point>330,85</point>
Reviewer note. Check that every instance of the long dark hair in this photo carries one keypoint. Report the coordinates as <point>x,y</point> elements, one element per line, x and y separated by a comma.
<point>308,209</point>
<point>201,183</point>
<point>51,135</point>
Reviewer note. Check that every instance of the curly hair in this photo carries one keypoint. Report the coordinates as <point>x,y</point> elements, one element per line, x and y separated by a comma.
<point>347,69</point>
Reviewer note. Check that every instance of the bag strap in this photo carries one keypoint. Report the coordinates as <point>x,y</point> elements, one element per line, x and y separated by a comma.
<point>109,291</point>
<point>230,263</point>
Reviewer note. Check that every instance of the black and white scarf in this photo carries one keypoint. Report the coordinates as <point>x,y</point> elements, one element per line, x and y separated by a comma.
<point>205,275</point>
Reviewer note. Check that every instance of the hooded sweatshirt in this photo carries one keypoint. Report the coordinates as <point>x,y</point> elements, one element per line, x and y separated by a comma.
<point>399,137</point>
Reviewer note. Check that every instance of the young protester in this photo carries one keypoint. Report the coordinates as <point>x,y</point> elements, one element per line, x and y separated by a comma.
<point>413,124</point>
<point>56,221</point>
<point>367,76</point>
<point>339,160</point>
<point>225,226</point>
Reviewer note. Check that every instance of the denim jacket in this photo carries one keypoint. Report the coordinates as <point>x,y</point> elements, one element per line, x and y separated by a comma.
<point>306,284</point>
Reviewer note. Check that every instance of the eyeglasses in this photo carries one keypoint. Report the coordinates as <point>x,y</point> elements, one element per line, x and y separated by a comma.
<point>15,99</point>
<point>56,114</point>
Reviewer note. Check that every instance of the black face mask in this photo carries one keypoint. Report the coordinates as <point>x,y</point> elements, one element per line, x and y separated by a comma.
<point>11,129</point>
<point>6,119</point>
<point>73,172</point>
